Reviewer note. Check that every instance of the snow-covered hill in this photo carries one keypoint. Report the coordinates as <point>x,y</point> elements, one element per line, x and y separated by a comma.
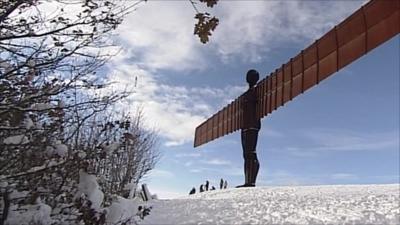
<point>338,204</point>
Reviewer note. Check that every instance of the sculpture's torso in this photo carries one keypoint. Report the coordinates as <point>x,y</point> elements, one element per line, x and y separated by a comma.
<point>249,110</point>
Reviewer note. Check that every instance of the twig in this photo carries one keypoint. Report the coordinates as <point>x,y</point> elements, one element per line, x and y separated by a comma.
<point>194,6</point>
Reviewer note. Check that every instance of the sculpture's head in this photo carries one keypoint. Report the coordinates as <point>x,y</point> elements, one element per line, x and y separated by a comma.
<point>252,77</point>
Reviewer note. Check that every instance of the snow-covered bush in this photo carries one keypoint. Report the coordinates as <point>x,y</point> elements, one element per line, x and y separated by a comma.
<point>121,152</point>
<point>58,156</point>
<point>66,164</point>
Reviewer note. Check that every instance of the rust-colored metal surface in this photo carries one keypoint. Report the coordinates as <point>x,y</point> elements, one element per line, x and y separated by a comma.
<point>371,25</point>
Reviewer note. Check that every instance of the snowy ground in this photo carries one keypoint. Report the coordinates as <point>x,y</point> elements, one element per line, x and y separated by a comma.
<point>339,204</point>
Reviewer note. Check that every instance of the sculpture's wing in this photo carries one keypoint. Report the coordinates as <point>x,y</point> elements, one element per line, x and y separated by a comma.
<point>371,25</point>
<point>223,122</point>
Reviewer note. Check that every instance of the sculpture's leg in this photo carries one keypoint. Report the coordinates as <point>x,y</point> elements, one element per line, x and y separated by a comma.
<point>251,164</point>
<point>254,164</point>
<point>247,170</point>
<point>246,162</point>
<point>253,167</point>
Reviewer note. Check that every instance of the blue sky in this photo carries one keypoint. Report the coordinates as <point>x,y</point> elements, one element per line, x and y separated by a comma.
<point>343,131</point>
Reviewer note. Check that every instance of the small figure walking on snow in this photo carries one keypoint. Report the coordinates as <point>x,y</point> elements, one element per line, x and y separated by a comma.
<point>193,191</point>
<point>225,184</point>
<point>207,184</point>
<point>143,211</point>
<point>201,188</point>
<point>221,184</point>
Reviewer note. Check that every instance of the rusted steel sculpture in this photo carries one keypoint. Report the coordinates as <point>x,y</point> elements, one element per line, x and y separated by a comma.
<point>251,127</point>
<point>371,25</point>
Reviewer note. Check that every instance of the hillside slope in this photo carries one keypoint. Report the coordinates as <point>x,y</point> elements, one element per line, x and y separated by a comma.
<point>337,204</point>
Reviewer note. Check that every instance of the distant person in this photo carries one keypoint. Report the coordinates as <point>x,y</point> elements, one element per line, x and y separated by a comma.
<point>225,184</point>
<point>201,188</point>
<point>207,184</point>
<point>193,191</point>
<point>221,183</point>
<point>143,211</point>
<point>212,188</point>
<point>250,127</point>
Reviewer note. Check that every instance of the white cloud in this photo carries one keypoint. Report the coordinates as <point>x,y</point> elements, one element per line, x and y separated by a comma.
<point>160,32</point>
<point>188,163</point>
<point>299,151</point>
<point>249,30</point>
<point>228,170</point>
<point>191,155</point>
<point>217,162</point>
<point>158,37</point>
<point>322,140</point>
<point>344,176</point>
<point>345,140</point>
<point>196,170</point>
<point>174,110</point>
<point>271,133</point>
<point>157,173</point>
<point>233,171</point>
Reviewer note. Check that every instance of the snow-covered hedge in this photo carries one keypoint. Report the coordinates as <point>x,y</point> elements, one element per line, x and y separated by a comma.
<point>64,153</point>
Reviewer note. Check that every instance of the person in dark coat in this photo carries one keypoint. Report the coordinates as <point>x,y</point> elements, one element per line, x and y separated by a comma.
<point>207,184</point>
<point>225,184</point>
<point>193,191</point>
<point>250,127</point>
<point>201,188</point>
<point>221,183</point>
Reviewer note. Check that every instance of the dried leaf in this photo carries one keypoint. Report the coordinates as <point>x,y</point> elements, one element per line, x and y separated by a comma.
<point>209,3</point>
<point>204,26</point>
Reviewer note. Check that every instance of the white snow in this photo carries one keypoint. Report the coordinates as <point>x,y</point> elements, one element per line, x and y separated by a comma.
<point>58,149</point>
<point>28,123</point>
<point>18,194</point>
<point>5,65</point>
<point>61,149</point>
<point>89,186</point>
<point>16,140</point>
<point>3,183</point>
<point>42,106</point>
<point>131,186</point>
<point>122,210</point>
<point>112,146</point>
<point>81,154</point>
<point>336,204</point>
<point>38,213</point>
<point>50,151</point>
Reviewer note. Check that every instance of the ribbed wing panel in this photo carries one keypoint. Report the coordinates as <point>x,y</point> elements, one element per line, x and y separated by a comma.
<point>371,25</point>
